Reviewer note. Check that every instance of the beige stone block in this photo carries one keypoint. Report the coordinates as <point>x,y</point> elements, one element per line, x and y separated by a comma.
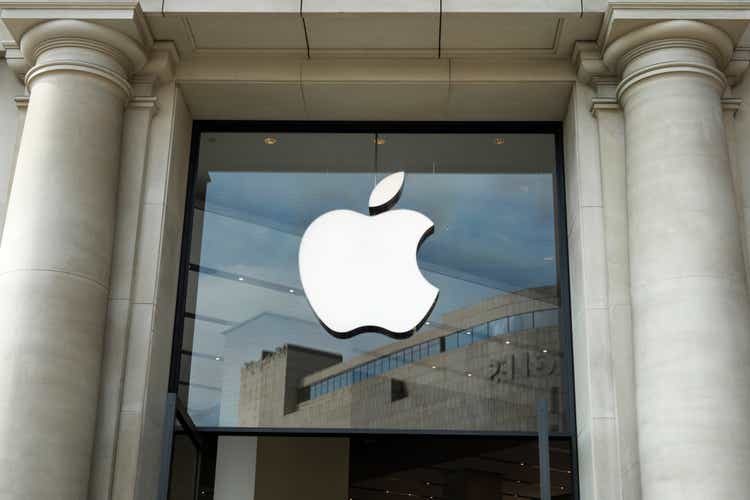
<point>572,171</point>
<point>159,144</point>
<point>139,351</point>
<point>544,101</point>
<point>229,6</point>
<point>147,254</point>
<point>587,149</point>
<point>158,376</point>
<point>247,101</point>
<point>387,101</point>
<point>606,471</point>
<point>281,32</point>
<point>600,373</point>
<point>110,390</point>
<point>128,451</point>
<point>594,256</point>
<point>582,374</point>
<point>399,35</point>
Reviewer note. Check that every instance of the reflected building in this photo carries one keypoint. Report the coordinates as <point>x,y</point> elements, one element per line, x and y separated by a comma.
<point>482,368</point>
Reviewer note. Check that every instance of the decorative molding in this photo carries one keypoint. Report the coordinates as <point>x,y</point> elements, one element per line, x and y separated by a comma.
<point>22,101</point>
<point>80,66</point>
<point>589,64</point>
<point>672,67</point>
<point>604,104</point>
<point>731,104</point>
<point>162,61</point>
<point>158,70</point>
<point>15,60</point>
<point>147,103</point>
<point>738,64</point>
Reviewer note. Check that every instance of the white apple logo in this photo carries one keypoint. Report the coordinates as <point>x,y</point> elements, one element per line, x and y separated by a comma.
<point>360,272</point>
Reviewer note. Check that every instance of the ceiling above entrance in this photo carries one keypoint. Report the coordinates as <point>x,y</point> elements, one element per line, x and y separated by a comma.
<point>428,28</point>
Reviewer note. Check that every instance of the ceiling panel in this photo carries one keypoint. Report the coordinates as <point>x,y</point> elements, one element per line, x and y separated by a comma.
<point>469,31</point>
<point>510,101</point>
<point>242,100</point>
<point>248,31</point>
<point>380,31</point>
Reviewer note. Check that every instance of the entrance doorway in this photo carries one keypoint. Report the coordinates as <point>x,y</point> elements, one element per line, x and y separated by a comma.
<point>393,467</point>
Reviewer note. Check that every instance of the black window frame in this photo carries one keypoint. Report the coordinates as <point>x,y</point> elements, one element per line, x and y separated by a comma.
<point>209,434</point>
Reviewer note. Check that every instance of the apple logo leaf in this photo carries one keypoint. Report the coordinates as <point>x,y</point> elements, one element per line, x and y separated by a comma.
<point>386,194</point>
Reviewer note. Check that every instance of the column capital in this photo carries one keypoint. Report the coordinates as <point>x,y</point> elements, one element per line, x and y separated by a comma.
<point>73,45</point>
<point>677,46</point>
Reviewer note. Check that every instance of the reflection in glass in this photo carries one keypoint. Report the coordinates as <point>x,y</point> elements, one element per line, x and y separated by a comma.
<point>254,354</point>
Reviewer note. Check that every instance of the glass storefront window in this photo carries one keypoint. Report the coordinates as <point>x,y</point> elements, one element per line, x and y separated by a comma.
<point>254,355</point>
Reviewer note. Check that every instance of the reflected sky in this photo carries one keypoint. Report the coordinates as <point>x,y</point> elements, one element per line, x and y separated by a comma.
<point>494,234</point>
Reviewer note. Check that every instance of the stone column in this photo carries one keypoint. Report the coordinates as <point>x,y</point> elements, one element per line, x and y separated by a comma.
<point>691,318</point>
<point>56,255</point>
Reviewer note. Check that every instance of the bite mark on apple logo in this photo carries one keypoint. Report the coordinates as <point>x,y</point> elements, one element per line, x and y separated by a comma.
<point>360,273</point>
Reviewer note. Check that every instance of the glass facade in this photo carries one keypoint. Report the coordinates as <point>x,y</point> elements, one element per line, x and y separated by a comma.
<point>254,355</point>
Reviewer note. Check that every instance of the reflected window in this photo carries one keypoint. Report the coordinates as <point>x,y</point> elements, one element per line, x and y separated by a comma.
<point>548,318</point>
<point>520,322</point>
<point>254,355</point>
<point>498,327</point>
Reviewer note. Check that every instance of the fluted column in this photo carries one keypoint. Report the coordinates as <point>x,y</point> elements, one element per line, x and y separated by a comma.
<point>691,318</point>
<point>56,255</point>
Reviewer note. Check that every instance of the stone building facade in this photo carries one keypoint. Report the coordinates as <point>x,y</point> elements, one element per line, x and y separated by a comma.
<point>97,100</point>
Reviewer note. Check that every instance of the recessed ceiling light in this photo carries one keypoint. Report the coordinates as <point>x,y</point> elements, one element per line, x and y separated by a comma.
<point>507,342</point>
<point>218,358</point>
<point>468,374</point>
<point>499,140</point>
<point>241,278</point>
<point>545,351</point>
<point>433,367</point>
<point>270,141</point>
<point>291,291</point>
<point>379,141</point>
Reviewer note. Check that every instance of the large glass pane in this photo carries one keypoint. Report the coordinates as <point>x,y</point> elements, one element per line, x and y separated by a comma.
<point>254,353</point>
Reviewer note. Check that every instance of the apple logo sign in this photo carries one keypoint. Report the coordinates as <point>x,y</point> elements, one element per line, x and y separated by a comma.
<point>360,273</point>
